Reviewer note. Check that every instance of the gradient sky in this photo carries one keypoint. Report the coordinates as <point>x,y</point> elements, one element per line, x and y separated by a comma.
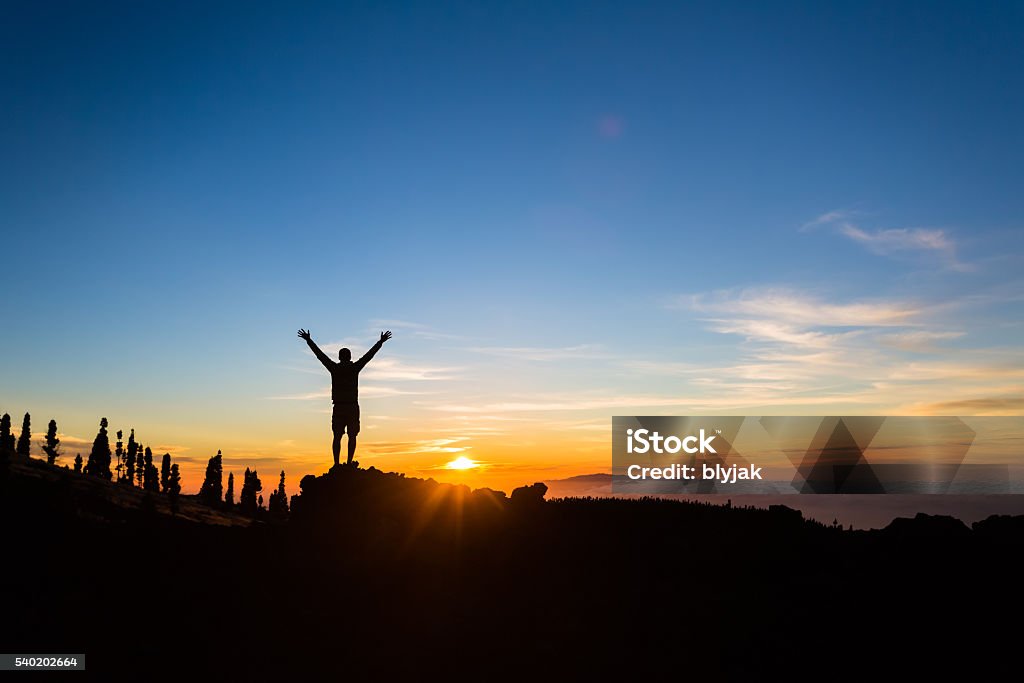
<point>564,211</point>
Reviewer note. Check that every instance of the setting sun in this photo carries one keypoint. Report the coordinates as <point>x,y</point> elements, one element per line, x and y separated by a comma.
<point>462,463</point>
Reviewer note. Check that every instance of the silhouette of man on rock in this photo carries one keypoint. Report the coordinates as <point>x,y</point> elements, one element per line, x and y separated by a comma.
<point>344,390</point>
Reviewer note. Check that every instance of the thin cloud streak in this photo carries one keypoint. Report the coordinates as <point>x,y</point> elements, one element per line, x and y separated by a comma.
<point>784,306</point>
<point>893,241</point>
<point>364,392</point>
<point>535,353</point>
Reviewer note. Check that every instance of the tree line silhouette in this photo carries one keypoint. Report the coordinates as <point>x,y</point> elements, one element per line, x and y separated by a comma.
<point>134,467</point>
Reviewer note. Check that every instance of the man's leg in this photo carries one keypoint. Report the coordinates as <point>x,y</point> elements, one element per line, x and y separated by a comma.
<point>353,431</point>
<point>336,446</point>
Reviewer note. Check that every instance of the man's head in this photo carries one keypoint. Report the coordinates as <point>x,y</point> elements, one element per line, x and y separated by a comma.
<point>345,355</point>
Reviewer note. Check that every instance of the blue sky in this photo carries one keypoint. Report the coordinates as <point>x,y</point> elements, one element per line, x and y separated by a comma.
<point>585,201</point>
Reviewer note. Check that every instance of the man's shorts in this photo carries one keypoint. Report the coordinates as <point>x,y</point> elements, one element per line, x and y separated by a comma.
<point>346,417</point>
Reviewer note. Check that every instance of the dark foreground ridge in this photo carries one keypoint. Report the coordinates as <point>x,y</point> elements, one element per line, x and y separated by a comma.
<point>379,575</point>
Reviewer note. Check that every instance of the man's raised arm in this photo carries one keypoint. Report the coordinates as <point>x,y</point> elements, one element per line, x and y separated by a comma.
<point>384,336</point>
<point>328,363</point>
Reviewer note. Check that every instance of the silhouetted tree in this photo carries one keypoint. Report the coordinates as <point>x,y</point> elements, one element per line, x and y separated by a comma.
<point>140,467</point>
<point>251,487</point>
<point>52,443</point>
<point>213,484</point>
<point>174,487</point>
<point>119,453</point>
<point>6,437</point>
<point>261,501</point>
<point>151,477</point>
<point>99,458</point>
<point>25,440</point>
<point>278,506</point>
<point>165,472</point>
<point>78,462</point>
<point>130,460</point>
<point>229,495</point>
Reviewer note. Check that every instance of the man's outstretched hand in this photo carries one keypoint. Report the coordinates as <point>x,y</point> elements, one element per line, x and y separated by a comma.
<point>304,334</point>
<point>384,336</point>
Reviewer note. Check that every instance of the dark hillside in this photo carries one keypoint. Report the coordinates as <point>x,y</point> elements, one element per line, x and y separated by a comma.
<point>376,574</point>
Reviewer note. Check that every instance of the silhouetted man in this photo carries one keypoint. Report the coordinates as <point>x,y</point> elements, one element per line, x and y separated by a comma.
<point>345,390</point>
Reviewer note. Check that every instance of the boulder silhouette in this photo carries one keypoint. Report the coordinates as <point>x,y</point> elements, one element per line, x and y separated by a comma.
<point>529,495</point>
<point>927,526</point>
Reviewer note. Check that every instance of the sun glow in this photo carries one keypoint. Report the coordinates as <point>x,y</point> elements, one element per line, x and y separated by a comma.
<point>462,463</point>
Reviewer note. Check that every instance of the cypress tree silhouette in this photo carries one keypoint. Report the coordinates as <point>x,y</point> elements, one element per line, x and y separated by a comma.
<point>251,486</point>
<point>212,489</point>
<point>174,487</point>
<point>165,472</point>
<point>229,495</point>
<point>129,465</point>
<point>6,437</point>
<point>151,475</point>
<point>78,463</point>
<point>261,501</point>
<point>278,506</point>
<point>52,443</point>
<point>282,495</point>
<point>140,467</point>
<point>25,440</point>
<point>5,453</point>
<point>119,453</point>
<point>99,458</point>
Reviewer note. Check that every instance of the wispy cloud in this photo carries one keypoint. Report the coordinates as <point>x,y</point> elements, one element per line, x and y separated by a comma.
<point>786,307</point>
<point>445,445</point>
<point>538,353</point>
<point>394,369</point>
<point>808,349</point>
<point>696,402</point>
<point>324,394</point>
<point>546,402</point>
<point>774,331</point>
<point>412,328</point>
<point>893,241</point>
<point>919,340</point>
<point>996,405</point>
<point>901,239</point>
<point>827,218</point>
